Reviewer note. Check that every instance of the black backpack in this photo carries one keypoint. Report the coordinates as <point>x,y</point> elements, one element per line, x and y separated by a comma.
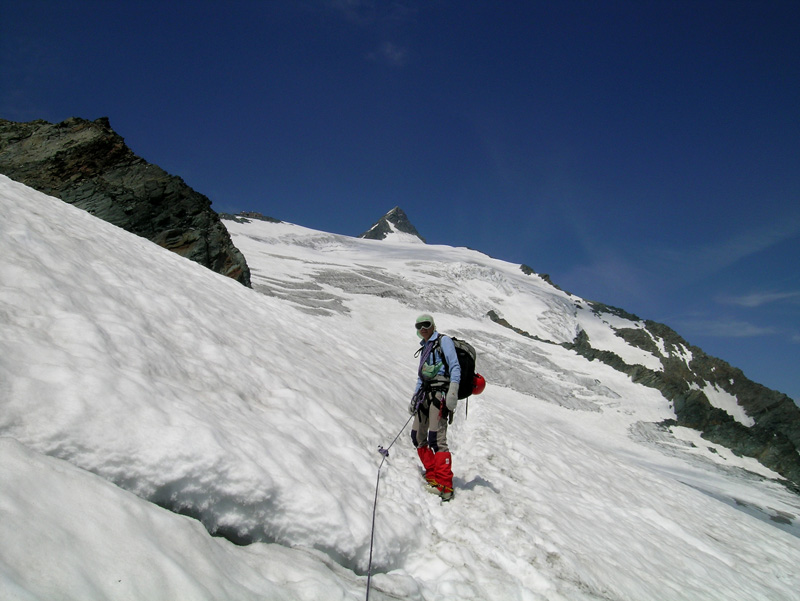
<point>466,359</point>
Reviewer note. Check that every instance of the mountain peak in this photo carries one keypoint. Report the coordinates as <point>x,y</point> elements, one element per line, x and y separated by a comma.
<point>394,222</point>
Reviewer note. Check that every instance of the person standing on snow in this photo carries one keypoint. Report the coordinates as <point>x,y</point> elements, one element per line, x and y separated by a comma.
<point>434,398</point>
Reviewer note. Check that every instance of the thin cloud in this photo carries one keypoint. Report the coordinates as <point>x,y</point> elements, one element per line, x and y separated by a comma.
<point>372,13</point>
<point>752,242</point>
<point>359,12</point>
<point>757,299</point>
<point>727,328</point>
<point>391,54</point>
<point>715,257</point>
<point>381,20</point>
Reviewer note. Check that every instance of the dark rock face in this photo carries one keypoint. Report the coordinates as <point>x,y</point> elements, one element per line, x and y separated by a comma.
<point>87,164</point>
<point>394,220</point>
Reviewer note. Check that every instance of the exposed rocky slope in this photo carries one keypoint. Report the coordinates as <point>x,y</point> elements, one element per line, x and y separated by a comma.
<point>394,221</point>
<point>685,374</point>
<point>87,164</point>
<point>774,438</point>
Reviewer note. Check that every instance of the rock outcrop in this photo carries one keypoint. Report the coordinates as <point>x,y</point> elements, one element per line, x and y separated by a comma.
<point>248,216</point>
<point>87,164</point>
<point>394,221</point>
<point>686,373</point>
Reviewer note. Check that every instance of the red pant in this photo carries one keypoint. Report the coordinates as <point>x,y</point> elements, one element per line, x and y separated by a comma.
<point>429,435</point>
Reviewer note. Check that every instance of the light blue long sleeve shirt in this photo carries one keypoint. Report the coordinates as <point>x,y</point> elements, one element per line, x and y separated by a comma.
<point>445,348</point>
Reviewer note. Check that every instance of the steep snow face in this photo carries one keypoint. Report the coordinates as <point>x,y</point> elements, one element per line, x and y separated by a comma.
<point>133,381</point>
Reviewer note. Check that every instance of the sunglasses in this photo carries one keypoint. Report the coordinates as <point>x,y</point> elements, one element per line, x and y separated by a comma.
<point>422,324</point>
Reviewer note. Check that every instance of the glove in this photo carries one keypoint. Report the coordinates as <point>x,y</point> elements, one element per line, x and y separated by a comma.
<point>412,407</point>
<point>452,397</point>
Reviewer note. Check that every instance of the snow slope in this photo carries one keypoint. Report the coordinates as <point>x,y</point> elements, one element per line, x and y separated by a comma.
<point>146,401</point>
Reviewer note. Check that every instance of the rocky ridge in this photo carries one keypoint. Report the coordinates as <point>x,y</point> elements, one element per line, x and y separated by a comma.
<point>687,371</point>
<point>87,164</point>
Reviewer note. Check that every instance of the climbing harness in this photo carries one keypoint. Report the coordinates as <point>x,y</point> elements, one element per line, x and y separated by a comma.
<point>385,453</point>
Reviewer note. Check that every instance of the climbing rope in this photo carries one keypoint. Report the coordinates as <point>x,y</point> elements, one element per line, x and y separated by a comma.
<point>385,453</point>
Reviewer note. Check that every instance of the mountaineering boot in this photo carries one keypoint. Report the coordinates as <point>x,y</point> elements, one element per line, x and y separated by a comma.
<point>443,474</point>
<point>426,456</point>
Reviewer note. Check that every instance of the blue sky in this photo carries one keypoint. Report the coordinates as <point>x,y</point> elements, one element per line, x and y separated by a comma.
<point>645,154</point>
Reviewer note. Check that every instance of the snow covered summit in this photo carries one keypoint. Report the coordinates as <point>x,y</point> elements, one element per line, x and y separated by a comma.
<point>148,403</point>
